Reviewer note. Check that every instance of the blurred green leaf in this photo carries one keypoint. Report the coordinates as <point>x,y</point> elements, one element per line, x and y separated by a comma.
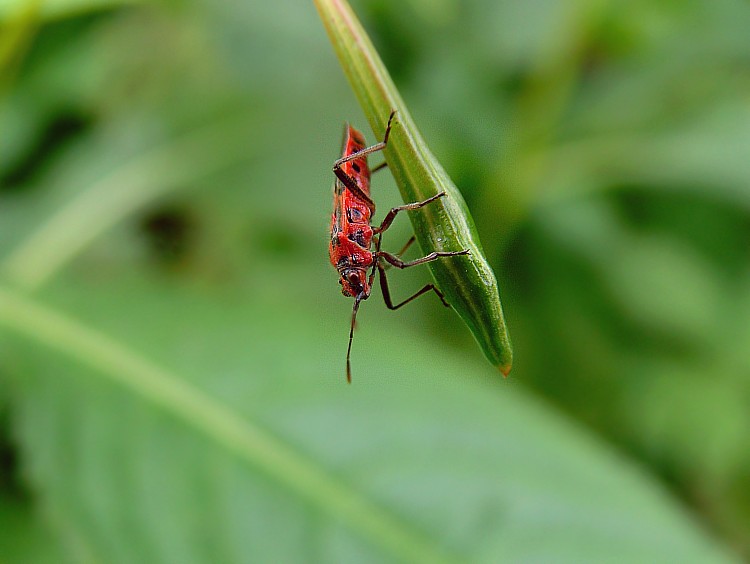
<point>600,145</point>
<point>230,447</point>
<point>59,8</point>
<point>666,288</point>
<point>704,156</point>
<point>25,538</point>
<point>128,187</point>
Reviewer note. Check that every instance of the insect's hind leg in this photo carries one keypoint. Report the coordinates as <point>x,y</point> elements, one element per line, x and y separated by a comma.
<point>403,250</point>
<point>387,293</point>
<point>398,263</point>
<point>347,180</point>
<point>388,220</point>
<point>381,166</point>
<point>367,150</point>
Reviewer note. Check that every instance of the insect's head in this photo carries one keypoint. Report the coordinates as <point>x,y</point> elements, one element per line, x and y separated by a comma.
<point>354,283</point>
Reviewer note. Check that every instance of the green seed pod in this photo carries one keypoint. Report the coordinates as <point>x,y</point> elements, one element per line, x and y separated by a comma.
<point>467,282</point>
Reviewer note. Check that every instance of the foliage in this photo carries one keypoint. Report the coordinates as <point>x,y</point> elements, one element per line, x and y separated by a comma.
<point>171,377</point>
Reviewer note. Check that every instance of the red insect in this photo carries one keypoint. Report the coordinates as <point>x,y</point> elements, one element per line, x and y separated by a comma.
<point>352,234</point>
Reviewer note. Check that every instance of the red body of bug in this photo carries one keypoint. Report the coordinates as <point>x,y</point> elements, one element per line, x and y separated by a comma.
<point>352,234</point>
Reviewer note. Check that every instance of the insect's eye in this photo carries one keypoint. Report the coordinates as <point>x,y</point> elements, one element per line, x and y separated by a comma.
<point>353,278</point>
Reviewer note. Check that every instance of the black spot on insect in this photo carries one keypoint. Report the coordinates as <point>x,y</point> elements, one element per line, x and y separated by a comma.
<point>342,262</point>
<point>355,166</point>
<point>358,237</point>
<point>353,215</point>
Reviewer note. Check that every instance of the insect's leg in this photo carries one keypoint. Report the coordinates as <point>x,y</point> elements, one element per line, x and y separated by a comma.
<point>347,180</point>
<point>352,185</point>
<point>381,166</point>
<point>395,260</point>
<point>409,243</point>
<point>387,293</point>
<point>368,150</point>
<point>401,252</point>
<point>398,263</point>
<point>391,215</point>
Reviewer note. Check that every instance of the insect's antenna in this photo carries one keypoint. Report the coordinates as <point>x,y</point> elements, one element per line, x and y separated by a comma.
<point>351,335</point>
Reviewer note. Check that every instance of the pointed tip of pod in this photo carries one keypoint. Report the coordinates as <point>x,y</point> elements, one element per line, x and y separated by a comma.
<point>505,369</point>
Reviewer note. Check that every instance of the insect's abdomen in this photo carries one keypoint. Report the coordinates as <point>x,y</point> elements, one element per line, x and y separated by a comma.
<point>351,234</point>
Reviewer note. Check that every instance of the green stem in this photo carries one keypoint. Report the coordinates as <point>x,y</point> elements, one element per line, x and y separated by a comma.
<point>468,282</point>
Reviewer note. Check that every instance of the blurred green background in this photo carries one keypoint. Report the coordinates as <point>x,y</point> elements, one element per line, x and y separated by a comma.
<point>172,350</point>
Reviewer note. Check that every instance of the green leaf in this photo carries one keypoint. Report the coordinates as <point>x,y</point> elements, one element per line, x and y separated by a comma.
<point>124,187</point>
<point>176,428</point>
<point>468,281</point>
<point>24,537</point>
<point>53,9</point>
